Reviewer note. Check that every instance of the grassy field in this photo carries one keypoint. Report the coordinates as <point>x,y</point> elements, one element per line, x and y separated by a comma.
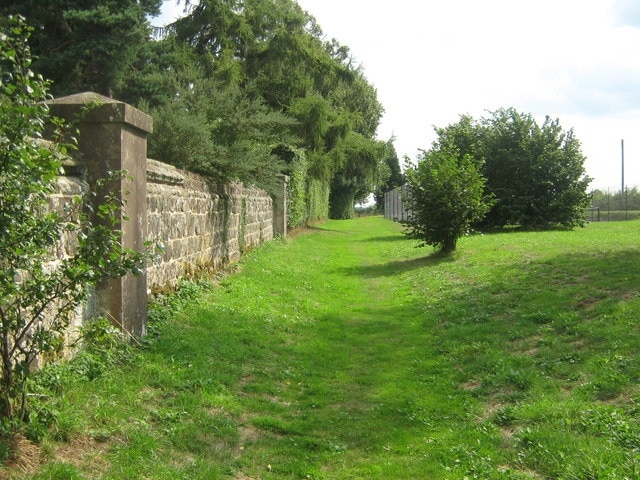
<point>348,353</point>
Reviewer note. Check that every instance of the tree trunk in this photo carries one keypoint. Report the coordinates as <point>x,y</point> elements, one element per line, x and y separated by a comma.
<point>6,404</point>
<point>449,245</point>
<point>341,204</point>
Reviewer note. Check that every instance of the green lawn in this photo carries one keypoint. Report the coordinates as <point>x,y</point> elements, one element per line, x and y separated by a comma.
<point>348,353</point>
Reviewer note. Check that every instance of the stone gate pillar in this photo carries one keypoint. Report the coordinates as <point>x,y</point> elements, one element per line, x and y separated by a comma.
<point>113,136</point>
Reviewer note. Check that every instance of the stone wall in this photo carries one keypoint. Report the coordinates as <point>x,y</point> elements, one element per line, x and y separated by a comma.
<point>68,191</point>
<point>201,225</point>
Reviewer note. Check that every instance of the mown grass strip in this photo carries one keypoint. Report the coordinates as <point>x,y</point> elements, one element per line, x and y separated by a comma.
<point>347,352</point>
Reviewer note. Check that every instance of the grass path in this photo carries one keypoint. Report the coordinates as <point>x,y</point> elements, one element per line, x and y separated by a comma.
<point>347,353</point>
<point>351,357</point>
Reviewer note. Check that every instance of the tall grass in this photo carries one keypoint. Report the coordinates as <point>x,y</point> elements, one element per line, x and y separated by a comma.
<point>348,353</point>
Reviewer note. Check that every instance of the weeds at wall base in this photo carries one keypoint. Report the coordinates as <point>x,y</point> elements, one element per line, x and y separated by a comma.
<point>104,351</point>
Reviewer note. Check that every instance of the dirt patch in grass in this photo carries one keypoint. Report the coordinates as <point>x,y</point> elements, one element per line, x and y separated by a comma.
<point>277,400</point>
<point>242,476</point>
<point>529,346</point>
<point>84,452</point>
<point>471,385</point>
<point>249,434</point>
<point>490,409</point>
<point>587,302</point>
<point>217,411</point>
<point>24,457</point>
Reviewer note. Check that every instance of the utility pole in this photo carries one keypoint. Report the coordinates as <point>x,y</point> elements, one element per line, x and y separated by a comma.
<point>622,150</point>
<point>622,190</point>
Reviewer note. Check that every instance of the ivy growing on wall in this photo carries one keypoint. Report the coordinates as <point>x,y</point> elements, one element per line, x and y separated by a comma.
<point>317,200</point>
<point>297,194</point>
<point>307,196</point>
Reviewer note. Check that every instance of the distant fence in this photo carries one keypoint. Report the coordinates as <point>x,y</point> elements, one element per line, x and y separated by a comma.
<point>395,207</point>
<point>596,214</point>
<point>611,204</point>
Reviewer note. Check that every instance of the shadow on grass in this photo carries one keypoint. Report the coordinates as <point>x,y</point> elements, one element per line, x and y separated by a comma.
<point>387,238</point>
<point>323,229</point>
<point>365,377</point>
<point>398,267</point>
<point>617,273</point>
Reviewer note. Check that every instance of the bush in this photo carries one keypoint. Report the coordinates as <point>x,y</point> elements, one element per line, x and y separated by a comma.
<point>445,199</point>
<point>37,294</point>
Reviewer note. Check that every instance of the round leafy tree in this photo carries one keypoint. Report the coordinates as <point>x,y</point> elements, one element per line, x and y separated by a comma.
<point>446,196</point>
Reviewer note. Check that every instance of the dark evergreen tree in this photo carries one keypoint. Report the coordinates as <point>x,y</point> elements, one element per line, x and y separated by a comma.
<point>221,132</point>
<point>85,44</point>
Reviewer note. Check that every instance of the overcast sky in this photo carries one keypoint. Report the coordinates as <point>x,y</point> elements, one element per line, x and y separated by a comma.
<point>433,60</point>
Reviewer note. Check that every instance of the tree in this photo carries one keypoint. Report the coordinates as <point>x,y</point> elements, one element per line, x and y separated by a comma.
<point>159,73</point>
<point>464,138</point>
<point>357,173</point>
<point>224,82</point>
<point>360,99</point>
<point>221,132</point>
<point>627,199</point>
<point>536,172</point>
<point>85,44</point>
<point>282,54</point>
<point>37,294</point>
<point>446,197</point>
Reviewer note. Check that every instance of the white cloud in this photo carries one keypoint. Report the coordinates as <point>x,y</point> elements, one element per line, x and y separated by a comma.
<point>432,61</point>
